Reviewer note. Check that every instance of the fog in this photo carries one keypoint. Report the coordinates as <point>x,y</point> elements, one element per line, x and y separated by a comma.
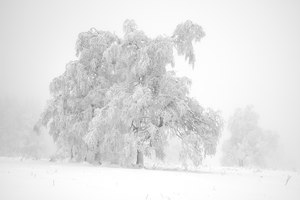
<point>250,54</point>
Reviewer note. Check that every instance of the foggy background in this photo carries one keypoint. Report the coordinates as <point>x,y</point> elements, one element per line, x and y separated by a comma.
<point>250,55</point>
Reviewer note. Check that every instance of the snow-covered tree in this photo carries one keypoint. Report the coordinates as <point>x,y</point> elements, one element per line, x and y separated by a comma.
<point>249,145</point>
<point>17,117</point>
<point>118,102</point>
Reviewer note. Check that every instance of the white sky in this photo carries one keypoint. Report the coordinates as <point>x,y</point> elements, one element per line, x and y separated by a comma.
<point>250,54</point>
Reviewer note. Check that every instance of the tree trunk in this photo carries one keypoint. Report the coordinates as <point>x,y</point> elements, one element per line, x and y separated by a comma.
<point>140,159</point>
<point>241,163</point>
<point>97,158</point>
<point>72,153</point>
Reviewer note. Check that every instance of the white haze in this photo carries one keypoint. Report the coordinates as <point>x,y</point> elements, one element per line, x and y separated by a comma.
<point>250,54</point>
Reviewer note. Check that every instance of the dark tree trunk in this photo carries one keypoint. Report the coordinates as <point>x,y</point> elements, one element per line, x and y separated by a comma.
<point>97,158</point>
<point>241,163</point>
<point>72,155</point>
<point>140,159</point>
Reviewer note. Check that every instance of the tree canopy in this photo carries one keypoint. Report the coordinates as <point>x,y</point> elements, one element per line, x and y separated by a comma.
<point>249,144</point>
<point>118,99</point>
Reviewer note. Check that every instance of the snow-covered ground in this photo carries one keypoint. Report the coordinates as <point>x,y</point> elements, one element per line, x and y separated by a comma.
<point>43,180</point>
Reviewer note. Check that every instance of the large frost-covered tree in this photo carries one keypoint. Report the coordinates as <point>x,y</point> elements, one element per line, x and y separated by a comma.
<point>118,102</point>
<point>249,144</point>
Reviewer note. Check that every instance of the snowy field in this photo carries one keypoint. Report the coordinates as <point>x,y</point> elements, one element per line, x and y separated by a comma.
<point>43,180</point>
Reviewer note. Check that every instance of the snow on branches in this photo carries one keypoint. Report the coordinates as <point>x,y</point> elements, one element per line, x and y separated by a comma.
<point>118,102</point>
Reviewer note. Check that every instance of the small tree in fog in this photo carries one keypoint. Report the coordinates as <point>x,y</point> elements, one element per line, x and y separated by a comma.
<point>118,102</point>
<point>248,145</point>
<point>16,135</point>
